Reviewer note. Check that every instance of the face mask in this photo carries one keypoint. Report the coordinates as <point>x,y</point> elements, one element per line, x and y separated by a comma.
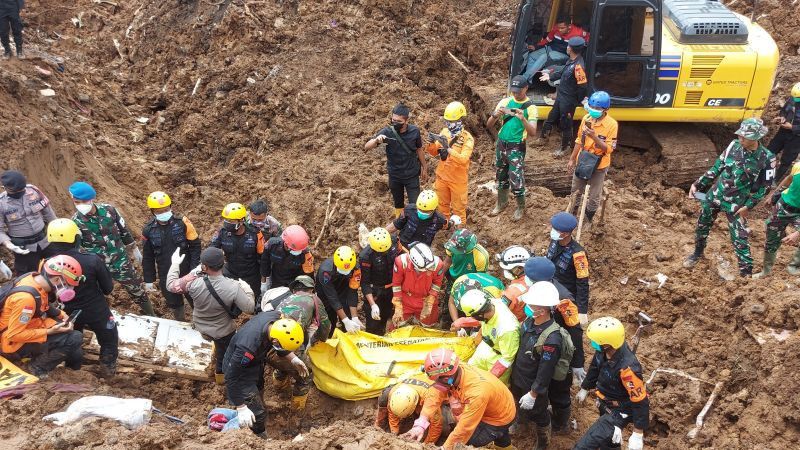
<point>84,208</point>
<point>228,226</point>
<point>455,127</point>
<point>260,224</point>
<point>163,217</point>
<point>796,99</point>
<point>397,126</point>
<point>596,346</point>
<point>343,272</point>
<point>16,195</point>
<point>555,234</point>
<point>64,293</point>
<point>424,216</point>
<point>594,113</point>
<point>529,312</point>
<point>296,252</point>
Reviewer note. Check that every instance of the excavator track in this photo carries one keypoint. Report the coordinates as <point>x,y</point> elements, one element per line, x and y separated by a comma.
<point>686,152</point>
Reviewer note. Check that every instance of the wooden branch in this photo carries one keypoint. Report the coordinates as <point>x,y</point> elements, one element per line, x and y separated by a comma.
<point>584,200</point>
<point>458,61</point>
<point>701,417</point>
<point>328,214</point>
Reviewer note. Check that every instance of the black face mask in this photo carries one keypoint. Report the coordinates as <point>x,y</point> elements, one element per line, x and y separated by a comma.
<point>230,226</point>
<point>397,126</point>
<point>16,195</point>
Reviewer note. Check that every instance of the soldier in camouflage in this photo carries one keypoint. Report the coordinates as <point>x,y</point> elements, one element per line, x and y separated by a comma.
<point>743,173</point>
<point>786,212</point>
<point>104,233</point>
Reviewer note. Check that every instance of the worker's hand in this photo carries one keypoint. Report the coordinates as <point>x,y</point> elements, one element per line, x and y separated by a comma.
<point>776,195</point>
<point>636,441</point>
<point>375,311</point>
<point>692,190</point>
<point>427,307</point>
<point>545,76</point>
<point>137,255</point>
<point>571,165</point>
<point>264,286</point>
<point>18,250</point>
<point>527,401</point>
<point>778,120</point>
<point>531,47</point>
<point>415,434</point>
<point>177,258</point>
<point>357,321</point>
<point>197,270</point>
<point>5,272</point>
<point>578,375</point>
<point>616,438</point>
<point>301,367</point>
<point>582,394</point>
<point>246,417</point>
<point>423,176</point>
<point>462,332</point>
<point>792,238</point>
<point>518,114</point>
<point>742,212</point>
<point>150,288</point>
<point>60,327</point>
<point>584,319</point>
<point>380,139</point>
<point>786,125</point>
<point>349,325</point>
<point>455,221</point>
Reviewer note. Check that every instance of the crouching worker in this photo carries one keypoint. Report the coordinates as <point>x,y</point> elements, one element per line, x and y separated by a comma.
<point>404,401</point>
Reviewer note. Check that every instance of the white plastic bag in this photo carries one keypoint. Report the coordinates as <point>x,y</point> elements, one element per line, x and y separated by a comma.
<point>132,413</point>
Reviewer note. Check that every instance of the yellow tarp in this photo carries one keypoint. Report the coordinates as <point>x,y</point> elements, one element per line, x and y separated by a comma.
<point>11,375</point>
<point>358,366</point>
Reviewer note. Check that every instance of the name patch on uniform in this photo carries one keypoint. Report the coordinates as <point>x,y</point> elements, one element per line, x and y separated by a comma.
<point>581,263</point>
<point>247,358</point>
<point>326,277</point>
<point>580,74</point>
<point>633,384</point>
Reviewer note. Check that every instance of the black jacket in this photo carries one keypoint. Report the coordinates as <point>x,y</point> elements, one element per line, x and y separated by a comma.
<point>244,360</point>
<point>334,289</point>
<point>414,229</point>
<point>283,267</point>
<point>532,371</point>
<point>376,268</point>
<point>90,294</point>
<point>576,332</point>
<point>242,253</point>
<point>159,241</point>
<point>573,80</point>
<point>402,164</point>
<point>572,270</point>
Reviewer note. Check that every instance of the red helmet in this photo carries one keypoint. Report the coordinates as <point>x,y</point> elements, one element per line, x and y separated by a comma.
<point>441,363</point>
<point>66,267</point>
<point>295,238</point>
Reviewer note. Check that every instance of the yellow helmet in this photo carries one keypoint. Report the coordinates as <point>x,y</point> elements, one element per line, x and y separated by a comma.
<point>288,333</point>
<point>403,401</point>
<point>475,302</point>
<point>380,240</point>
<point>796,90</point>
<point>607,331</point>
<point>344,258</point>
<point>158,199</point>
<point>234,211</point>
<point>427,200</point>
<point>455,111</point>
<point>62,230</point>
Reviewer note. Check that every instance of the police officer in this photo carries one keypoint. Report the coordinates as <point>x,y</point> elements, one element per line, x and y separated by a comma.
<point>286,258</point>
<point>572,264</point>
<point>337,283</point>
<point>376,261</point>
<point>258,217</point>
<point>246,357</point>
<point>25,212</point>
<point>570,91</point>
<point>540,376</point>
<point>161,236</point>
<point>622,397</point>
<point>787,140</point>
<point>243,246</point>
<point>421,221</point>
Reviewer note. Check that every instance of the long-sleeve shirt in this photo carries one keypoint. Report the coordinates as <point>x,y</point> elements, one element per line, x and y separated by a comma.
<point>533,371</point>
<point>242,252</point>
<point>104,232</point>
<point>337,291</point>
<point>25,217</point>
<point>420,383</point>
<point>501,335</point>
<point>572,270</point>
<point>376,268</point>
<point>159,241</point>
<point>559,42</point>
<point>246,354</point>
<point>573,80</point>
<point>21,323</point>
<point>90,294</point>
<point>281,266</point>
<point>619,380</point>
<point>454,169</point>
<point>411,286</point>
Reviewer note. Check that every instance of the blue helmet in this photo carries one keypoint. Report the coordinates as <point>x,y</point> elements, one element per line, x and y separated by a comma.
<point>600,99</point>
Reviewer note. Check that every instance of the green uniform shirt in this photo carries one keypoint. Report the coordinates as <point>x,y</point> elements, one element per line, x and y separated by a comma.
<point>104,233</point>
<point>513,130</point>
<point>309,312</point>
<point>791,196</point>
<point>463,263</point>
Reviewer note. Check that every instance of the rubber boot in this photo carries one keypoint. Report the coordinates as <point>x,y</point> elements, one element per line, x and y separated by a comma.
<point>179,313</point>
<point>691,260</point>
<point>108,369</point>
<point>769,261</point>
<point>587,220</point>
<point>398,212</point>
<point>20,53</point>
<point>382,417</point>
<point>560,151</point>
<point>520,211</point>
<point>560,420</point>
<point>502,202</point>
<point>147,307</point>
<point>7,53</point>
<point>219,378</point>
<point>542,437</point>
<point>299,402</point>
<point>794,266</point>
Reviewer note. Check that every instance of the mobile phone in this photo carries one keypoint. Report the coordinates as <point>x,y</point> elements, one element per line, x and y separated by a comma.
<point>73,316</point>
<point>700,196</point>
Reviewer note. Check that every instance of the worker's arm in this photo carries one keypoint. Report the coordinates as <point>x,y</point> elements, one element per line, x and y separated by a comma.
<point>581,263</point>
<point>148,260</point>
<point>499,110</point>
<point>194,243</point>
<point>48,215</point>
<point>124,232</point>
<point>463,153</point>
<point>245,298</point>
<point>423,163</point>
<point>551,353</point>
<point>265,265</point>
<point>236,387</point>
<point>23,309</point>
<point>762,184</point>
<point>451,306</point>
<point>435,428</point>
<point>374,142</point>
<point>351,294</point>
<point>433,402</point>
<point>530,125</point>
<point>581,81</point>
<point>308,263</point>
<point>365,264</point>
<point>579,356</point>
<point>216,240</point>
<point>448,260</point>
<point>328,291</point>
<point>467,422</point>
<point>104,279</point>
<point>397,224</point>
<point>631,378</point>
<point>704,182</point>
<point>590,382</point>
<point>438,280</point>
<point>177,284</point>
<point>508,344</point>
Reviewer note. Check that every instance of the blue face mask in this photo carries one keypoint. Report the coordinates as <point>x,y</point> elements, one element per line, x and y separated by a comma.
<point>424,216</point>
<point>296,252</point>
<point>528,311</point>
<point>596,346</point>
<point>796,99</point>
<point>344,272</point>
<point>163,217</point>
<point>594,113</point>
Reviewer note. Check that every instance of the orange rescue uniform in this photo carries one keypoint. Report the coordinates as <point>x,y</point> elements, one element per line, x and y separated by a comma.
<point>411,290</point>
<point>20,324</point>
<point>606,129</point>
<point>421,386</point>
<point>452,174</point>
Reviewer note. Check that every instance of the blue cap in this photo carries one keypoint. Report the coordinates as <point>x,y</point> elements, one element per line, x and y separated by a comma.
<point>564,222</point>
<point>539,268</point>
<point>577,43</point>
<point>81,190</point>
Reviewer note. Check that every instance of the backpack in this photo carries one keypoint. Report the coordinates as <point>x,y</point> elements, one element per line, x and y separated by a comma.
<point>567,349</point>
<point>11,287</point>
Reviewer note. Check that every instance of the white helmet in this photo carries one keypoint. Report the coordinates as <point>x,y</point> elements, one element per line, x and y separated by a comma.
<point>273,297</point>
<point>514,256</point>
<point>422,256</point>
<point>542,293</point>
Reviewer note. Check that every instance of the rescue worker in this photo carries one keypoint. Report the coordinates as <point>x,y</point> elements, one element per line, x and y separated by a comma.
<point>376,262</point>
<point>786,211</point>
<point>403,401</point>
<point>246,358</point>
<point>572,84</point>
<point>337,282</point>
<point>572,264</point>
<point>286,258</point>
<point>420,221</point>
<point>453,146</point>
<point>243,246</point>
<point>787,140</point>
<point>743,173</point>
<point>512,260</point>
<point>466,283</point>
<point>9,18</point>
<point>553,47</point>
<point>161,236</point>
<point>482,404</point>
<point>405,159</point>
<point>519,116</point>
<point>416,284</point>
<point>105,233</point>
<point>541,375</point>
<point>498,338</point>
<point>31,328</point>
<point>259,218</point>
<point>90,293</point>
<point>218,300</point>
<point>25,212</point>
<point>463,255</point>
<point>598,136</point>
<point>622,397</point>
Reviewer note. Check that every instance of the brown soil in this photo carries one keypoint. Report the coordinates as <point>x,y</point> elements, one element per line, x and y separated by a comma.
<point>288,93</point>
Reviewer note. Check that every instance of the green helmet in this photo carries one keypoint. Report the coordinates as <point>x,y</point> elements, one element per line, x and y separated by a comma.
<point>462,241</point>
<point>752,128</point>
<point>471,281</point>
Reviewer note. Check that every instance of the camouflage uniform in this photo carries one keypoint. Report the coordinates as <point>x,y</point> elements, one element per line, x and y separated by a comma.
<point>105,234</point>
<point>782,215</point>
<point>743,178</point>
<point>509,160</point>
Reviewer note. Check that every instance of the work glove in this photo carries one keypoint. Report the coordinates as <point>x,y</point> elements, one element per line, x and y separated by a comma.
<point>137,255</point>
<point>584,319</point>
<point>246,417</point>
<point>5,272</point>
<point>462,332</point>
<point>499,368</point>
<point>357,321</point>
<point>454,221</point>
<point>18,250</point>
<point>617,437</point>
<point>177,258</point>
<point>427,307</point>
<point>397,318</point>
<point>150,287</point>
<point>581,397</point>
<point>301,367</point>
<point>376,312</point>
<point>527,401</point>
<point>636,441</point>
<point>349,325</point>
<point>443,153</point>
<point>578,375</point>
<point>264,287</point>
<point>197,270</point>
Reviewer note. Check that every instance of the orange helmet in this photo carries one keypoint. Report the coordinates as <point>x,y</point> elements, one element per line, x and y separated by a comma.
<point>441,363</point>
<point>66,267</point>
<point>295,238</point>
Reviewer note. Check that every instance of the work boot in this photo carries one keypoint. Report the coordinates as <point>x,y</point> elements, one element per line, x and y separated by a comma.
<point>560,420</point>
<point>794,266</point>
<point>691,260</point>
<point>299,402</point>
<point>520,211</point>
<point>219,378</point>
<point>179,313</point>
<point>561,151</point>
<point>20,53</point>
<point>147,307</point>
<point>108,370</point>
<point>542,437</point>
<point>382,417</point>
<point>769,261</point>
<point>7,53</point>
<point>502,202</point>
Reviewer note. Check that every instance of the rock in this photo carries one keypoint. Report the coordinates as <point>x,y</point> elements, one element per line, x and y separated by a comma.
<point>278,22</point>
<point>637,245</point>
<point>758,308</point>
<point>251,80</point>
<point>358,411</point>
<point>84,98</point>
<point>47,93</point>
<point>725,373</point>
<point>660,257</point>
<point>220,94</point>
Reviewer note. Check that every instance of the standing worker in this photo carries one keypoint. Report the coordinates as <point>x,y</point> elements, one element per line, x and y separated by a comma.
<point>105,233</point>
<point>499,333</point>
<point>402,401</point>
<point>416,284</point>
<point>286,258</point>
<point>9,18</point>
<point>376,262</point>
<point>598,137</point>
<point>26,212</point>
<point>787,140</point>
<point>453,146</point>
<point>243,246</point>
<point>519,116</point>
<point>420,221</point>
<point>337,282</point>
<point>90,293</point>
<point>259,218</point>
<point>541,375</point>
<point>572,83</point>
<point>161,236</point>
<point>405,159</point>
<point>572,264</point>
<point>621,393</point>
<point>743,173</point>
<point>218,300</point>
<point>786,211</point>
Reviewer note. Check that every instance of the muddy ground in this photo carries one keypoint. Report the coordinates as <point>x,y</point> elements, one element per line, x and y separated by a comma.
<point>246,99</point>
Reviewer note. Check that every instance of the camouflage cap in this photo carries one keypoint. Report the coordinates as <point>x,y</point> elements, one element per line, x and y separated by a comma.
<point>302,281</point>
<point>752,128</point>
<point>462,241</point>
